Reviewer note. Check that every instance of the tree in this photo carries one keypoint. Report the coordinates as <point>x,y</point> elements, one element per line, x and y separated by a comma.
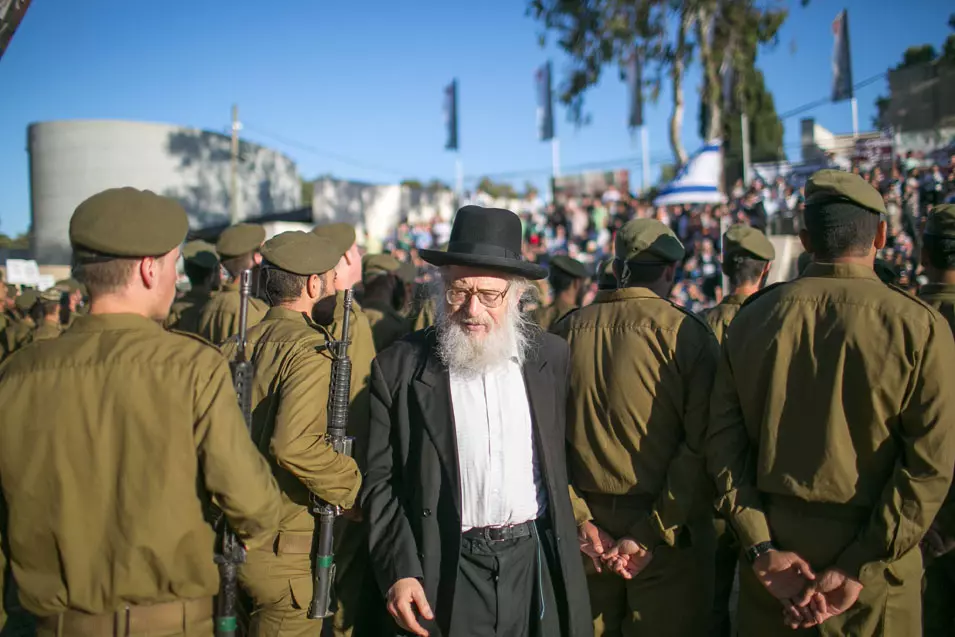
<point>665,34</point>
<point>21,242</point>
<point>436,185</point>
<point>497,191</point>
<point>414,184</point>
<point>765,129</point>
<point>530,190</point>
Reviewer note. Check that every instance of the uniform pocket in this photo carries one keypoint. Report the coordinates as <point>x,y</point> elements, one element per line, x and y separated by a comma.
<point>301,589</point>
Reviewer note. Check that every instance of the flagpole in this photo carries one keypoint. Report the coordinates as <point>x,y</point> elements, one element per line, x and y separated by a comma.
<point>459,178</point>
<point>555,156</point>
<point>855,118</point>
<point>744,129</point>
<point>645,156</point>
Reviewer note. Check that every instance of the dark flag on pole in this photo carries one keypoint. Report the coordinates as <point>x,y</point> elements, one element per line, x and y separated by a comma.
<point>841,59</point>
<point>545,103</point>
<point>451,115</point>
<point>11,13</point>
<point>635,87</point>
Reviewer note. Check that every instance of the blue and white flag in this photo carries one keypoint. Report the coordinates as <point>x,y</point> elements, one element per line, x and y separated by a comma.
<point>699,179</point>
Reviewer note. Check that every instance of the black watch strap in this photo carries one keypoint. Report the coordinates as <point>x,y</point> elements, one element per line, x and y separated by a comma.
<point>753,552</point>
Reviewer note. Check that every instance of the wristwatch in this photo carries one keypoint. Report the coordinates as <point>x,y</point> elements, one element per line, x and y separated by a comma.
<point>753,552</point>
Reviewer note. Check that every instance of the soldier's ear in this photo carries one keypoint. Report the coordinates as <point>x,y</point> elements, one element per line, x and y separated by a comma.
<point>880,235</point>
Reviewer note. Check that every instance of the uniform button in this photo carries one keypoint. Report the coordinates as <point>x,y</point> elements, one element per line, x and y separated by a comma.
<point>426,513</point>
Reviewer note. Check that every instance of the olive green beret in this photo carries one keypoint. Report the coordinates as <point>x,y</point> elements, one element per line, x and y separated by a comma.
<point>885,271</point>
<point>301,253</point>
<point>27,299</point>
<point>803,262</point>
<point>125,222</point>
<point>648,241</point>
<point>829,186</point>
<point>741,238</point>
<point>200,253</point>
<point>51,294</point>
<point>573,267</point>
<point>70,285</point>
<point>342,235</point>
<point>407,272</point>
<point>242,238</point>
<point>377,264</point>
<point>941,223</point>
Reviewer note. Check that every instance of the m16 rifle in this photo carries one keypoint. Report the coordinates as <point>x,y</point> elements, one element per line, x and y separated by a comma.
<point>231,550</point>
<point>325,513</point>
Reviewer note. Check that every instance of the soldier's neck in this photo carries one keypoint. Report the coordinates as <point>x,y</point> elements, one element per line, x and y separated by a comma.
<point>119,304</point>
<point>945,277</point>
<point>567,297</point>
<point>745,290</point>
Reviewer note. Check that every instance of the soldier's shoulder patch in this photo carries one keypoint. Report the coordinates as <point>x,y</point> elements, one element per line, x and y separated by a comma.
<point>762,292</point>
<point>693,315</point>
<point>194,337</point>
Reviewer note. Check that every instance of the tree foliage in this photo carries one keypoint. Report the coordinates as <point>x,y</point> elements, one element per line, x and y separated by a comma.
<point>496,190</point>
<point>21,242</point>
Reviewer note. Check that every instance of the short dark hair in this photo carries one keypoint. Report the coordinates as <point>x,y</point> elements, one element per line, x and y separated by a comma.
<point>197,274</point>
<point>281,285</point>
<point>641,274</point>
<point>104,277</point>
<point>846,230</point>
<point>560,280</point>
<point>235,265</point>
<point>940,252</point>
<point>742,269</point>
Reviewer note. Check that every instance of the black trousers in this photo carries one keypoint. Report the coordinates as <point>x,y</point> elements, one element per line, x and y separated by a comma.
<point>507,589</point>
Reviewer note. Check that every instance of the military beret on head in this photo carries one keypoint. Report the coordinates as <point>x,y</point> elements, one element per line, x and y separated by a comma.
<point>200,253</point>
<point>833,186</point>
<point>570,266</point>
<point>342,235</point>
<point>125,222</point>
<point>741,238</point>
<point>69,285</point>
<point>51,294</point>
<point>648,241</point>
<point>376,264</point>
<point>242,238</point>
<point>941,223</point>
<point>26,300</point>
<point>301,253</point>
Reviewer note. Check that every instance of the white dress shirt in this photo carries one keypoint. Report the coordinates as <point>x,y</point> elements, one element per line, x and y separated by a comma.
<point>500,475</point>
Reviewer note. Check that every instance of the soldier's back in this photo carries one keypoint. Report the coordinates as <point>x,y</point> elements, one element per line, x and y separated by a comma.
<point>720,316</point>
<point>219,318</point>
<point>185,314</point>
<point>98,450</point>
<point>941,296</point>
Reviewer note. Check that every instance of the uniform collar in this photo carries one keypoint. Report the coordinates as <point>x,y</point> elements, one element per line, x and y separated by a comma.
<point>625,294</point>
<point>839,271</point>
<point>734,299</point>
<point>112,322</point>
<point>278,313</point>
<point>937,288</point>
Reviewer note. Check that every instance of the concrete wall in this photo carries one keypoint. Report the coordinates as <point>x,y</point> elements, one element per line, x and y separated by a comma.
<point>71,160</point>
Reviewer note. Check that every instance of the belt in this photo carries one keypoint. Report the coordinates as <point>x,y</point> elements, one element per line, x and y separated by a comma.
<point>153,618</point>
<point>627,501</point>
<point>499,533</point>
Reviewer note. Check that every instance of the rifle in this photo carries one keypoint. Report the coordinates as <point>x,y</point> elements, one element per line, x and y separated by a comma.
<point>325,513</point>
<point>231,551</point>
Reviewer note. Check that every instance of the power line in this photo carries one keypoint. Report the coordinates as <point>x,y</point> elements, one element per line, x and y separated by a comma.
<point>826,100</point>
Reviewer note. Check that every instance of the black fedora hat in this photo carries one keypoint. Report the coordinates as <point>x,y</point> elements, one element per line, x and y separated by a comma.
<point>486,238</point>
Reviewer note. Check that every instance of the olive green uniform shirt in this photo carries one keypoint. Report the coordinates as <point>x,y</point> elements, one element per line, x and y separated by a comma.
<point>110,434</point>
<point>720,317</point>
<point>638,405</point>
<point>547,317</point>
<point>289,409</point>
<point>219,318</point>
<point>16,336</point>
<point>387,325</point>
<point>47,330</point>
<point>836,388</point>
<point>185,313</point>
<point>941,296</point>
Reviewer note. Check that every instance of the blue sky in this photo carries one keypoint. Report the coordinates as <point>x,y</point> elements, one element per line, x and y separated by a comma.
<point>362,81</point>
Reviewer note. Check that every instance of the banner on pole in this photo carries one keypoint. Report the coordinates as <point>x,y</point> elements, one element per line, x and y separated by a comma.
<point>841,59</point>
<point>545,103</point>
<point>635,89</point>
<point>451,115</point>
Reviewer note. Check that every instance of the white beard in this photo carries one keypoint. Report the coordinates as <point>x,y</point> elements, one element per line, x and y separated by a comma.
<point>467,354</point>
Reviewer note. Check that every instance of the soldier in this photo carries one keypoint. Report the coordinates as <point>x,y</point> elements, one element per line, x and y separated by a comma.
<point>938,591</point>
<point>109,538</point>
<point>830,433</point>
<point>17,334</point>
<point>289,399</point>
<point>747,258</point>
<point>46,315</point>
<point>238,247</point>
<point>604,276</point>
<point>567,278</point>
<point>351,549</point>
<point>201,266</point>
<point>384,294</point>
<point>72,306</point>
<point>408,276</point>
<point>641,372</point>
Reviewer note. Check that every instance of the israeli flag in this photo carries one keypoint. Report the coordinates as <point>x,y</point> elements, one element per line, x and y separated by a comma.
<point>698,181</point>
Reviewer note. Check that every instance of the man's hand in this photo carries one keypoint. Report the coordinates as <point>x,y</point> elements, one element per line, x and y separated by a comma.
<point>627,558</point>
<point>593,542</point>
<point>783,573</point>
<point>936,543</point>
<point>403,596</point>
<point>833,593</point>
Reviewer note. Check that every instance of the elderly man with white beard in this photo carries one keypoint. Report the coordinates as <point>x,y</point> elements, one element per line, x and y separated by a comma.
<point>472,531</point>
